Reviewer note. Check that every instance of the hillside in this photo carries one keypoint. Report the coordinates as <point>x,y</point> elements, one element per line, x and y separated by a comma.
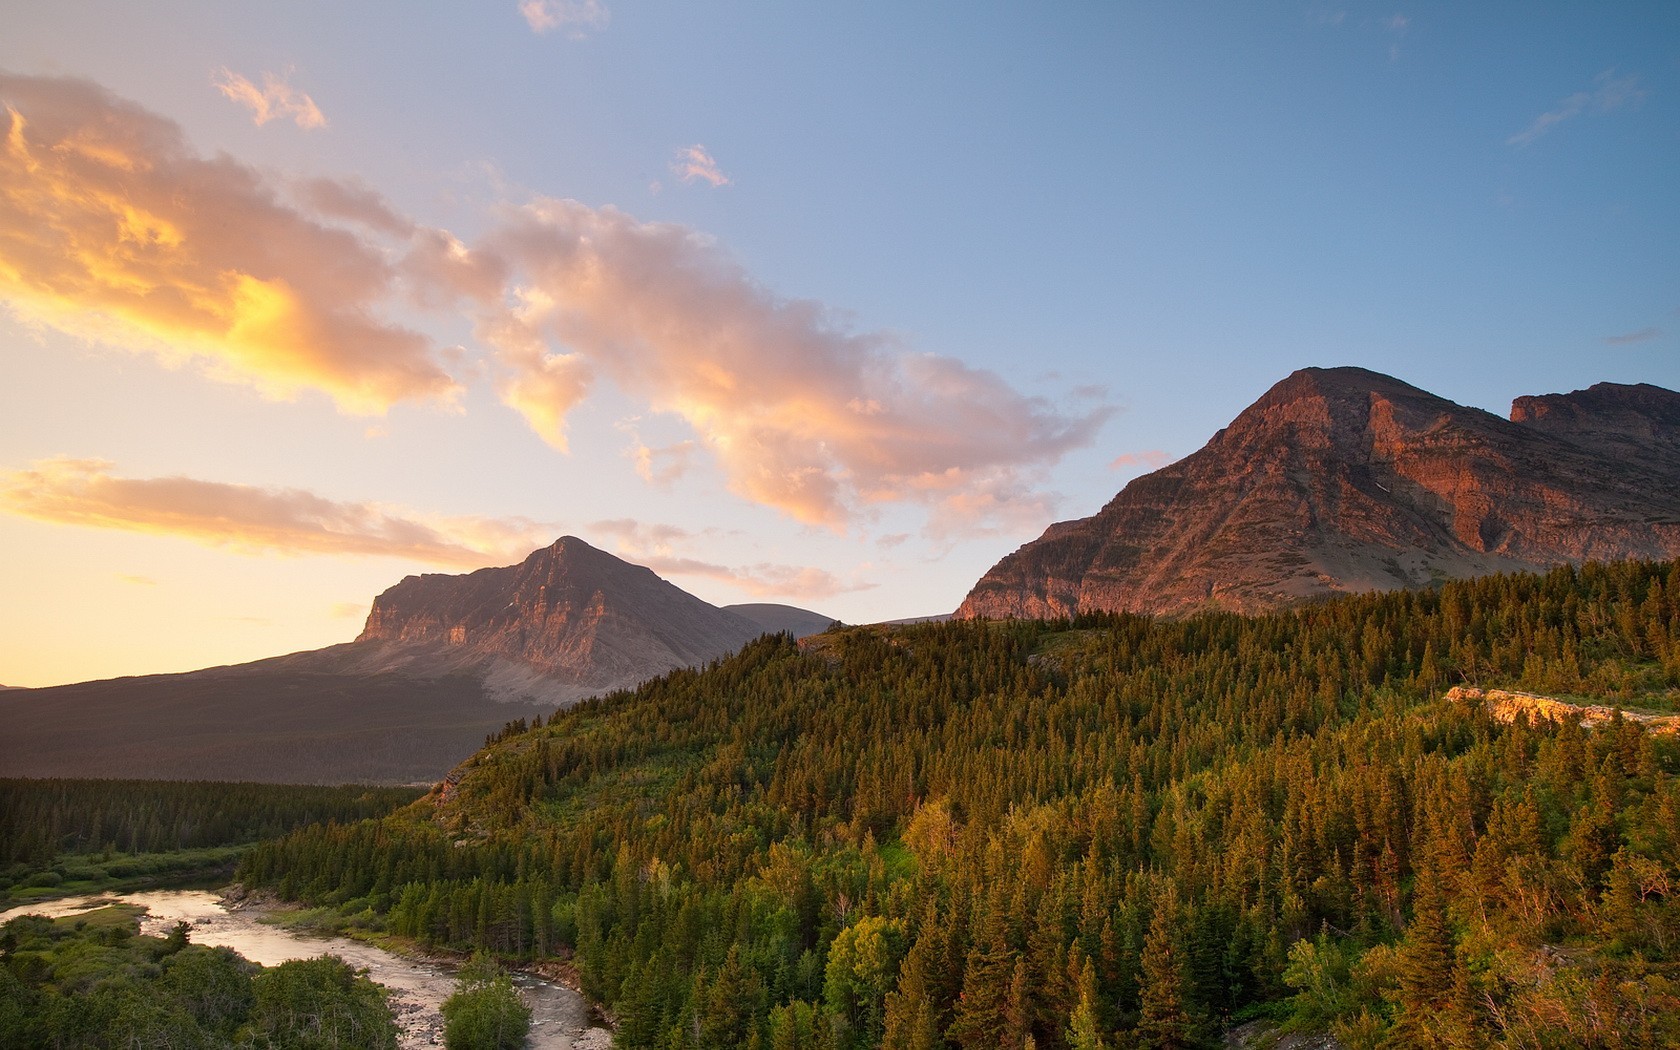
<point>235,724</point>
<point>1343,480</point>
<point>1114,830</point>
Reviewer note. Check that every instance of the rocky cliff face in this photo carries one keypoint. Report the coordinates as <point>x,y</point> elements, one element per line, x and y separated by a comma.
<point>1630,424</point>
<point>569,621</point>
<point>1343,479</point>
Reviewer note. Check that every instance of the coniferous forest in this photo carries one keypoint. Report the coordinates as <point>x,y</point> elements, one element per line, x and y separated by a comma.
<point>1109,832</point>
<point>60,836</point>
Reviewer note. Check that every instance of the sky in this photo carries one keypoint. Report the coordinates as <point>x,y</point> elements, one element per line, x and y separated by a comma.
<point>828,305</point>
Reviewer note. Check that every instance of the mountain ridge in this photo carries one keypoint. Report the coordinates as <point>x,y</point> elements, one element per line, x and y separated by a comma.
<point>1343,479</point>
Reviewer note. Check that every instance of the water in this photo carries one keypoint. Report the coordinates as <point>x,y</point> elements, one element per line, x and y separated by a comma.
<point>560,1017</point>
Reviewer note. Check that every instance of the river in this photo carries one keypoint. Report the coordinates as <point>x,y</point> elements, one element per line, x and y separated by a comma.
<point>560,1018</point>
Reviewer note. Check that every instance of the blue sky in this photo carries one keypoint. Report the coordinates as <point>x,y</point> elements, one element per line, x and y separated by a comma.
<point>826,305</point>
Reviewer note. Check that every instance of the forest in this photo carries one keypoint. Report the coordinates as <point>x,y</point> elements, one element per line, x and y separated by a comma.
<point>1110,831</point>
<point>60,836</point>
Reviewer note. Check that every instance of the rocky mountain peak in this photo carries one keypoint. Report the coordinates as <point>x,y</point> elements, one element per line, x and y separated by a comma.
<point>568,613</point>
<point>1342,479</point>
<point>1636,423</point>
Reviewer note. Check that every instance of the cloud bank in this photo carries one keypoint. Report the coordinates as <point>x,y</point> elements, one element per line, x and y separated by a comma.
<point>802,413</point>
<point>250,519</point>
<point>255,520</point>
<point>112,228</point>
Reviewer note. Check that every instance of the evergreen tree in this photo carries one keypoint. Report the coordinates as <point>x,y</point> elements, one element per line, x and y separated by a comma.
<point>1165,1021</point>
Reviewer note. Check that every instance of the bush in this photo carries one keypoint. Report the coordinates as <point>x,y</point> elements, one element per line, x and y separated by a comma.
<point>320,1003</point>
<point>485,1012</point>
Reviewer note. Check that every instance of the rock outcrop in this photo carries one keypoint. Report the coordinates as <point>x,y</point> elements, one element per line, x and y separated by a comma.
<point>1507,705</point>
<point>1342,480</point>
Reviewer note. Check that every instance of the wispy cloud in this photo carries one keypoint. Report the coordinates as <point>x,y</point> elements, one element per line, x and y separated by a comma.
<point>138,581</point>
<point>693,163</point>
<point>256,520</point>
<point>658,466</point>
<point>250,519</point>
<point>577,18</point>
<point>1396,26</point>
<point>1644,335</point>
<point>802,413</point>
<point>112,228</point>
<point>277,98</point>
<point>666,550</point>
<point>1153,458</point>
<point>1609,93</point>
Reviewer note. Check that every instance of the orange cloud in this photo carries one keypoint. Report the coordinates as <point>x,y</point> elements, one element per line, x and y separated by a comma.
<point>111,228</point>
<point>1153,458</point>
<point>276,98</point>
<point>251,519</point>
<point>695,163</point>
<point>802,414</point>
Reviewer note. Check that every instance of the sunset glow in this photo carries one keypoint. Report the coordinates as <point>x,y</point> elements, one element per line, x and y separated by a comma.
<point>316,303</point>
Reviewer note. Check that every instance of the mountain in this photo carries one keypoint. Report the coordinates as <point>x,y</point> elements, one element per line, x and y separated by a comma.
<point>569,621</point>
<point>1342,479</point>
<point>1632,424</point>
<point>777,619</point>
<point>442,662</point>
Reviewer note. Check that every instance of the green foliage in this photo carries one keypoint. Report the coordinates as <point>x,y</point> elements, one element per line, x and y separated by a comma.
<point>485,1012</point>
<point>1110,831</point>
<point>320,1004</point>
<point>93,981</point>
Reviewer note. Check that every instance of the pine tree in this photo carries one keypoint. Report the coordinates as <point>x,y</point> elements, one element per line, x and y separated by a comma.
<point>1426,963</point>
<point>913,1014</point>
<point>1165,1021</point>
<point>978,1017</point>
<point>1085,1026</point>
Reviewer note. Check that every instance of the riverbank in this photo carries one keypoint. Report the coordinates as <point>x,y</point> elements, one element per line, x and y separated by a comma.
<point>326,922</point>
<point>561,1018</point>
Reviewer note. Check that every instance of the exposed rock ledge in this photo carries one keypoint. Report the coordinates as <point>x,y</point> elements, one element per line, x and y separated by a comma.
<point>1507,705</point>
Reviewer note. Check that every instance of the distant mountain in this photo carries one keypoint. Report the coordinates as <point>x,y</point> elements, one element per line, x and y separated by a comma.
<point>442,662</point>
<point>1342,479</point>
<point>569,621</point>
<point>777,619</point>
